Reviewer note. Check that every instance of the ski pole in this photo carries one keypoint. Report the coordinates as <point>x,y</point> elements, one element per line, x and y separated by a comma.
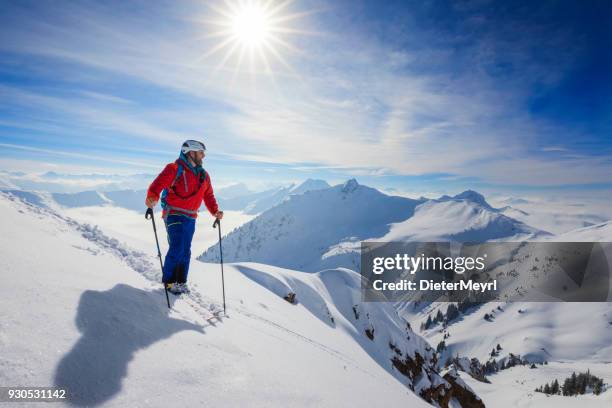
<point>218,222</point>
<point>149,214</point>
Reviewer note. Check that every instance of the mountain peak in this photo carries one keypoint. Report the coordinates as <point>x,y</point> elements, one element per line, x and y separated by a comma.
<point>309,185</point>
<point>350,186</point>
<point>473,196</point>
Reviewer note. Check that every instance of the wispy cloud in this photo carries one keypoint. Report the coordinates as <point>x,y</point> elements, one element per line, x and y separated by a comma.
<point>100,158</point>
<point>352,101</point>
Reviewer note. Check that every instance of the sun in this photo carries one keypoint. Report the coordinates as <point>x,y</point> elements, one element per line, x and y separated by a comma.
<point>252,33</point>
<point>251,26</point>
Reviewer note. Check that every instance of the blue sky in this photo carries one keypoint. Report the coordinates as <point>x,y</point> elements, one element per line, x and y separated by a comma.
<point>418,96</point>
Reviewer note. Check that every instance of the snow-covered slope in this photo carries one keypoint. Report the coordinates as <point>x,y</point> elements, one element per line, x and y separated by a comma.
<point>109,337</point>
<point>315,230</point>
<point>568,337</point>
<point>537,331</point>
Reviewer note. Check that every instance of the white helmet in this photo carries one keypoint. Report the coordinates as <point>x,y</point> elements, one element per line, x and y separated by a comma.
<point>192,146</point>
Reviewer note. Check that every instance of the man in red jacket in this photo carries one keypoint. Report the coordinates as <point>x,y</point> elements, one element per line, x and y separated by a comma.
<point>182,186</point>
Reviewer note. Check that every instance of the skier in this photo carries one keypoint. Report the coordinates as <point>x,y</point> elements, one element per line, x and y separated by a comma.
<point>182,186</point>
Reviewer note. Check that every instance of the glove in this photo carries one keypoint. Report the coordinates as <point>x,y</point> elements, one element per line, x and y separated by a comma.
<point>150,202</point>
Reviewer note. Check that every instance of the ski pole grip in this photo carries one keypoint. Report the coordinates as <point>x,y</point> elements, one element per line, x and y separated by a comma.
<point>149,213</point>
<point>217,222</point>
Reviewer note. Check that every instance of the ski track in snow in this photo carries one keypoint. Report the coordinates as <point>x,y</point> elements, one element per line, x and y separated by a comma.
<point>313,342</point>
<point>142,263</point>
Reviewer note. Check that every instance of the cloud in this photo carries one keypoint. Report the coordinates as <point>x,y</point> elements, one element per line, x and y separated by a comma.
<point>88,156</point>
<point>554,149</point>
<point>351,101</point>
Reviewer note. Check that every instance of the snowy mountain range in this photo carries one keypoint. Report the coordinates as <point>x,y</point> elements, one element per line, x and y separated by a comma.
<point>328,225</point>
<point>236,197</point>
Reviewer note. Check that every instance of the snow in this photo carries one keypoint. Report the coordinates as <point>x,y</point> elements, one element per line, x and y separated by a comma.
<point>595,233</point>
<point>85,278</point>
<point>129,227</point>
<point>568,336</point>
<point>459,220</point>
<point>541,331</point>
<point>108,333</point>
<point>558,216</point>
<point>515,387</point>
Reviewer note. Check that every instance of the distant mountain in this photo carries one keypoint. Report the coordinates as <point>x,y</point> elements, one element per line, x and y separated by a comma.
<point>514,201</point>
<point>235,197</point>
<point>513,212</point>
<point>309,185</point>
<point>233,191</point>
<point>255,203</point>
<point>557,218</point>
<point>82,199</point>
<point>471,196</point>
<point>72,183</point>
<point>324,228</point>
<point>130,199</point>
<point>465,219</point>
<point>594,233</point>
<point>7,184</point>
<point>37,199</point>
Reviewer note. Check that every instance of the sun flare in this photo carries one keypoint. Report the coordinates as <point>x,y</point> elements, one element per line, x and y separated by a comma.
<point>253,33</point>
<point>251,26</point>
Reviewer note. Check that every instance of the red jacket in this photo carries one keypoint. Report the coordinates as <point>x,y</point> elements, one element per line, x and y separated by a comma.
<point>185,198</point>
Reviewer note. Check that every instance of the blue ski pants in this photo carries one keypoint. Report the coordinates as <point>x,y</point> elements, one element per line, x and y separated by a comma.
<point>180,231</point>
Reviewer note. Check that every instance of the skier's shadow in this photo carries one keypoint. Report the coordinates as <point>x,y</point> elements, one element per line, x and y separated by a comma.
<point>114,325</point>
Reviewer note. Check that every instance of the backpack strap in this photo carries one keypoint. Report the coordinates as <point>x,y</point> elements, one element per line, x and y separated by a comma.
<point>164,194</point>
<point>181,172</point>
